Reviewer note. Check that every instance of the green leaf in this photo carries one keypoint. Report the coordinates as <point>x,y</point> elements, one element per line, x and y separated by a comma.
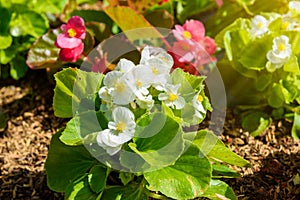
<point>28,23</point>
<point>294,37</point>
<point>81,125</point>
<point>80,189</point>
<point>189,83</point>
<point>65,164</point>
<point>160,18</point>
<point>5,41</point>
<point>249,58</point>
<point>238,24</point>
<point>276,97</point>
<point>223,171</point>
<point>128,192</point>
<point>126,177</point>
<point>93,16</point>
<point>296,125</point>
<point>8,54</point>
<point>263,81</point>
<point>4,20</point>
<point>141,28</point>
<point>48,6</point>
<point>292,65</point>
<point>256,122</point>
<point>219,190</point>
<point>186,8</point>
<point>289,90</point>
<point>43,52</point>
<point>211,146</point>
<point>188,178</point>
<point>170,136</point>
<point>75,91</point>
<point>97,178</point>
<point>18,67</point>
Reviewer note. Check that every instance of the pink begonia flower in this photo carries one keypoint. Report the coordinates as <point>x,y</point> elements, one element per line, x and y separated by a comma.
<point>71,55</point>
<point>73,33</point>
<point>192,30</point>
<point>192,48</point>
<point>219,2</point>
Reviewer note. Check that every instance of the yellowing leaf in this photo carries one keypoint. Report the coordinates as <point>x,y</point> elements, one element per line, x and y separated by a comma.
<point>134,25</point>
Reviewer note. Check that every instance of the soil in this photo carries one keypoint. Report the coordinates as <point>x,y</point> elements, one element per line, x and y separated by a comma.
<point>24,142</point>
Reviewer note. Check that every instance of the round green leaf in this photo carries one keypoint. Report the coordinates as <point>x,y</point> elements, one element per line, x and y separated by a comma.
<point>211,145</point>
<point>65,164</point>
<point>5,41</point>
<point>97,178</point>
<point>188,178</point>
<point>219,190</point>
<point>79,189</point>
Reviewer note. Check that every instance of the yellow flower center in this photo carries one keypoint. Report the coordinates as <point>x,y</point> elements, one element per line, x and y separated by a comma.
<point>187,34</point>
<point>120,87</point>
<point>200,98</point>
<point>281,47</point>
<point>154,70</point>
<point>173,97</point>
<point>139,83</point>
<point>260,25</point>
<point>71,32</point>
<point>121,126</point>
<point>285,25</point>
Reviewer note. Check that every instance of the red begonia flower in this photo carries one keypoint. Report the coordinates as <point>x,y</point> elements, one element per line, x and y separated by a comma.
<point>73,33</point>
<point>71,54</point>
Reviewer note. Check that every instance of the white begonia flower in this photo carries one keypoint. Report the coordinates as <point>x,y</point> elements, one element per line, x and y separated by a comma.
<point>160,64</point>
<point>145,102</point>
<point>124,65</point>
<point>280,53</point>
<point>294,7</point>
<point>149,53</point>
<point>120,89</point>
<point>200,112</point>
<point>139,75</point>
<point>119,131</point>
<point>259,26</point>
<point>171,97</point>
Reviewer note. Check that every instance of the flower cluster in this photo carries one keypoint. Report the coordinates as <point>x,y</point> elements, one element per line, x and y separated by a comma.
<point>289,21</point>
<point>281,51</point>
<point>192,48</point>
<point>143,85</point>
<point>70,40</point>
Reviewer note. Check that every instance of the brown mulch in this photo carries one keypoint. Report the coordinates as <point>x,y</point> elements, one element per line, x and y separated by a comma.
<point>27,103</point>
<point>275,160</point>
<point>275,156</point>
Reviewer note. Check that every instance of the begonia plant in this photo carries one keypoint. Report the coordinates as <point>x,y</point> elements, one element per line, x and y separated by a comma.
<point>129,135</point>
<point>262,55</point>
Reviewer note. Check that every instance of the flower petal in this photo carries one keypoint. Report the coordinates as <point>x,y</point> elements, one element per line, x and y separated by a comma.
<point>64,41</point>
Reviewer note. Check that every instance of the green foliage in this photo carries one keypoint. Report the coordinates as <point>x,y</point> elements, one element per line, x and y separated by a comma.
<point>21,23</point>
<point>75,88</point>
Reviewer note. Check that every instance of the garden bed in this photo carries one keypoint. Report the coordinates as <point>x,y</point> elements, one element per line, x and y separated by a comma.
<point>275,156</point>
